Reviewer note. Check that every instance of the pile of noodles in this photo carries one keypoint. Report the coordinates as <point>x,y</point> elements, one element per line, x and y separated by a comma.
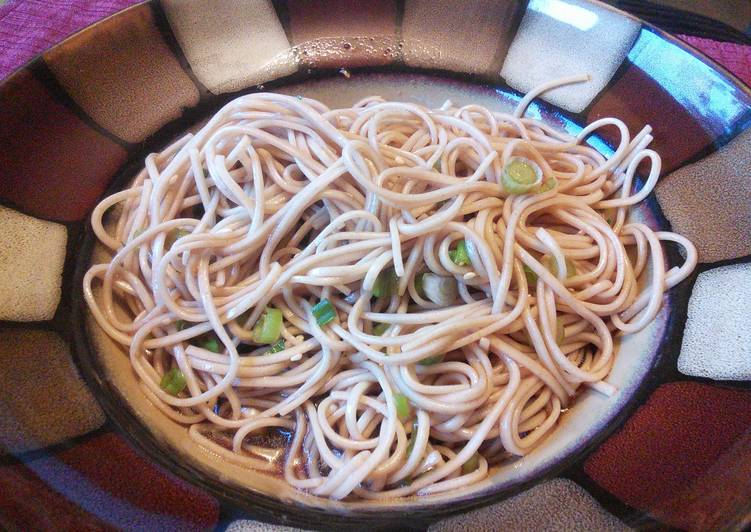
<point>280,202</point>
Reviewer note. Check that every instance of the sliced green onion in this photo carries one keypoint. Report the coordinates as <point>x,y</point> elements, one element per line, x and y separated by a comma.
<point>419,279</point>
<point>268,328</point>
<point>386,283</point>
<point>459,255</point>
<point>548,184</point>
<point>381,328</point>
<point>324,312</point>
<point>278,346</point>
<point>471,464</point>
<point>412,438</point>
<point>403,483</point>
<point>211,343</point>
<point>173,382</point>
<point>435,359</point>
<point>530,274</point>
<point>440,290</point>
<point>551,264</point>
<point>520,176</point>
<point>403,409</point>
<point>181,325</point>
<point>560,332</point>
<point>173,236</point>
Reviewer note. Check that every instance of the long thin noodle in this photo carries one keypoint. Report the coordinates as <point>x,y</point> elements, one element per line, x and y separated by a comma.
<point>282,202</point>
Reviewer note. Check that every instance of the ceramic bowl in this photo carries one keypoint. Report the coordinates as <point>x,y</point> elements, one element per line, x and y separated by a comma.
<point>672,447</point>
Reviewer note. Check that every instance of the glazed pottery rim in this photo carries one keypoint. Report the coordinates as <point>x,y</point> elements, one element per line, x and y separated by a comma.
<point>271,509</point>
<point>687,47</point>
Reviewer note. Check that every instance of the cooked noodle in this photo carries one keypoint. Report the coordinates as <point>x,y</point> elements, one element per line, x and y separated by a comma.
<point>279,202</point>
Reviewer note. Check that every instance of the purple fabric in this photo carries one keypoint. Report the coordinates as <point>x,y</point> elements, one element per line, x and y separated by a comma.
<point>29,27</point>
<point>735,57</point>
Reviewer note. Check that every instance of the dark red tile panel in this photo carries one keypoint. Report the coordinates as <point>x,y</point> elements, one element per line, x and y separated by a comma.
<point>638,100</point>
<point>52,164</point>
<point>28,503</point>
<point>113,467</point>
<point>662,459</point>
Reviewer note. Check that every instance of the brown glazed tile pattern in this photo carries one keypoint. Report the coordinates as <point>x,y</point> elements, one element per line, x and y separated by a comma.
<point>660,459</point>
<point>240,44</point>
<point>108,486</point>
<point>557,504</point>
<point>29,503</point>
<point>430,29</point>
<point>342,33</point>
<point>121,483</point>
<point>32,254</point>
<point>52,164</point>
<point>633,98</point>
<point>717,499</point>
<point>123,75</point>
<point>45,401</point>
<point>719,188</point>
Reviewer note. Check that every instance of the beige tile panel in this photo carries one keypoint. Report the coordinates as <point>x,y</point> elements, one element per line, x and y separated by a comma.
<point>557,504</point>
<point>32,254</point>
<point>710,201</point>
<point>715,342</point>
<point>231,44</point>
<point>577,37</point>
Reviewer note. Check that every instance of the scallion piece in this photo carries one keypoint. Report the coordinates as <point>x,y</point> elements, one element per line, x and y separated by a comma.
<point>548,184</point>
<point>560,332</point>
<point>381,328</point>
<point>520,175</point>
<point>324,312</point>
<point>440,290</point>
<point>211,343</point>
<point>412,438</point>
<point>419,278</point>
<point>173,382</point>
<point>530,274</point>
<point>278,346</point>
<point>551,264</point>
<point>403,483</point>
<point>459,255</point>
<point>386,283</point>
<point>435,359</point>
<point>403,409</point>
<point>181,325</point>
<point>268,328</point>
<point>470,465</point>
<point>173,236</point>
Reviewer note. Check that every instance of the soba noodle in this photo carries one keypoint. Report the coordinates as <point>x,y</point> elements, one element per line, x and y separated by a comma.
<point>493,307</point>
